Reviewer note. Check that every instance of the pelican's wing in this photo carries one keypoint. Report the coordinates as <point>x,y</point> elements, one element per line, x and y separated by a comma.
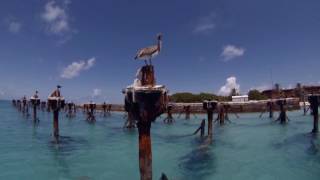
<point>148,51</point>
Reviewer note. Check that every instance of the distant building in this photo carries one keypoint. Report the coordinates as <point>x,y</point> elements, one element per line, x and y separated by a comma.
<point>293,92</point>
<point>243,98</point>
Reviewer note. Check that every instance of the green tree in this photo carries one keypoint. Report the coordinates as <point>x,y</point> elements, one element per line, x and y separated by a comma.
<point>186,97</point>
<point>256,95</point>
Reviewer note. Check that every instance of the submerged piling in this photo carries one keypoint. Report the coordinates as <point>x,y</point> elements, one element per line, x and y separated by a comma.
<point>35,101</point>
<point>201,128</point>
<point>314,104</point>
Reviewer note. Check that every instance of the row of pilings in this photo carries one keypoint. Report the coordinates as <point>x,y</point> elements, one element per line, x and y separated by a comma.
<point>55,104</point>
<point>146,104</point>
<point>141,109</point>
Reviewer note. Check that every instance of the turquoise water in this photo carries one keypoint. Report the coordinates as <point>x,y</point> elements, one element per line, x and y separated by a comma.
<point>248,148</point>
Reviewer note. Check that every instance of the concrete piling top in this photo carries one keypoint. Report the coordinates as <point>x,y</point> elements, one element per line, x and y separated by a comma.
<point>209,105</point>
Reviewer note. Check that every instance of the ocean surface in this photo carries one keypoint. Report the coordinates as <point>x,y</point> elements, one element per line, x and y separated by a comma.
<point>248,148</point>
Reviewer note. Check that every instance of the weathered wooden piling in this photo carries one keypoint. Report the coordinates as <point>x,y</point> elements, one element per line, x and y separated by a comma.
<point>92,107</point>
<point>226,111</point>
<point>56,102</point>
<point>70,110</point>
<point>221,114</point>
<point>104,109</point>
<point>14,103</point>
<point>35,102</point>
<point>56,125</point>
<point>283,113</point>
<point>270,106</point>
<point>187,110</point>
<point>314,104</point>
<point>145,103</point>
<point>210,106</point>
<point>24,105</point>
<point>148,78</point>
<point>169,118</point>
<point>19,105</point>
<point>109,109</point>
<point>304,104</point>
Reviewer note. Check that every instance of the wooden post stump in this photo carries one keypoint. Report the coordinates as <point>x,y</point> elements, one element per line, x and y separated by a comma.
<point>314,104</point>
<point>270,108</point>
<point>35,103</point>
<point>283,114</point>
<point>210,106</point>
<point>169,118</point>
<point>169,111</point>
<point>187,111</point>
<point>56,125</point>
<point>148,78</point>
<point>14,102</point>
<point>34,113</point>
<point>221,115</point>
<point>55,104</point>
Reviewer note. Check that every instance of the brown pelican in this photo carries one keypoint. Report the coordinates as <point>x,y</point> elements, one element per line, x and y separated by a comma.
<point>149,52</point>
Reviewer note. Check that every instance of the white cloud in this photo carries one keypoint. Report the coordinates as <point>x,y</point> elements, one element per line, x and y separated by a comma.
<point>14,26</point>
<point>96,93</point>
<point>231,83</point>
<point>56,18</point>
<point>262,87</point>
<point>74,69</point>
<point>230,52</point>
<point>204,27</point>
<point>205,24</point>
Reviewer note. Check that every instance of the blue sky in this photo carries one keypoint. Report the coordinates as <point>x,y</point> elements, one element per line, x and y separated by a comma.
<point>208,45</point>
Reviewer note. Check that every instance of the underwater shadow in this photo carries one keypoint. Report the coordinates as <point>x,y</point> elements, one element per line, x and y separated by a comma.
<point>67,145</point>
<point>308,140</point>
<point>200,162</point>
